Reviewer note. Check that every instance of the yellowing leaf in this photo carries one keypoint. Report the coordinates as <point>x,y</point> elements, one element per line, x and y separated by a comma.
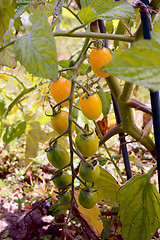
<point>91,216</point>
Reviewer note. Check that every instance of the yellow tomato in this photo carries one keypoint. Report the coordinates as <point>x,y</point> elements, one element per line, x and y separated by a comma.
<point>60,90</point>
<point>59,122</point>
<point>98,59</point>
<point>91,107</point>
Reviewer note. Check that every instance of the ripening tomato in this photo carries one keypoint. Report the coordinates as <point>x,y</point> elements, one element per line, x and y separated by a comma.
<point>60,90</point>
<point>88,173</point>
<point>87,145</point>
<point>59,122</point>
<point>5,3</point>
<point>62,180</point>
<point>58,156</point>
<point>98,59</point>
<point>64,200</point>
<point>91,106</point>
<point>87,198</point>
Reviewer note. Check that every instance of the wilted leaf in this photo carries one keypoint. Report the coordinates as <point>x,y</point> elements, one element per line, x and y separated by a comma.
<point>139,208</point>
<point>106,101</point>
<point>139,64</point>
<point>5,15</point>
<point>21,7</point>
<point>107,188</point>
<point>7,57</point>
<point>105,9</point>
<point>36,50</point>
<point>91,216</point>
<point>14,131</point>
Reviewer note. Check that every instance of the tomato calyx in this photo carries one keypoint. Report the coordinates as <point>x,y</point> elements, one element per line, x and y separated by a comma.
<point>52,146</point>
<point>88,95</point>
<point>87,132</point>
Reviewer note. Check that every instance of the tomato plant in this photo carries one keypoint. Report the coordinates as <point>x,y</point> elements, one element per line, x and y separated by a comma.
<point>89,173</point>
<point>58,156</point>
<point>98,59</point>
<point>91,106</point>
<point>87,144</point>
<point>62,179</point>
<point>64,200</point>
<point>59,122</point>
<point>87,198</point>
<point>5,3</point>
<point>60,90</point>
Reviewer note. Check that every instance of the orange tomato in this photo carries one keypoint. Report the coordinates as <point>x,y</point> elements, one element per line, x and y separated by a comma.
<point>91,107</point>
<point>59,122</point>
<point>60,90</point>
<point>98,59</point>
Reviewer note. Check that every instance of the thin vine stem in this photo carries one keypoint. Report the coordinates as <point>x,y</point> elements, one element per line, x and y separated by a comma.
<point>109,154</point>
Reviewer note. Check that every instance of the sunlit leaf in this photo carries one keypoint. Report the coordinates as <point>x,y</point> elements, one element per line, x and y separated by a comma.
<point>105,9</point>
<point>2,105</point>
<point>36,50</point>
<point>107,188</point>
<point>91,216</point>
<point>14,131</point>
<point>139,208</point>
<point>139,64</point>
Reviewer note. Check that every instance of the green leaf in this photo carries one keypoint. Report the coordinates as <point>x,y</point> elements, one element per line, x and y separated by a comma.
<point>105,9</point>
<point>5,15</point>
<point>109,27</point>
<point>14,131</point>
<point>139,208</point>
<point>2,106</point>
<point>7,57</point>
<point>36,50</point>
<point>106,101</point>
<point>107,188</point>
<point>21,7</point>
<point>140,64</point>
<point>156,26</point>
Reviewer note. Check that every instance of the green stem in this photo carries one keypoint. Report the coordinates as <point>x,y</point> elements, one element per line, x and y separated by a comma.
<point>17,79</point>
<point>7,45</point>
<point>127,91</point>
<point>16,100</point>
<point>76,28</point>
<point>110,156</point>
<point>118,37</point>
<point>74,14</point>
<point>150,173</point>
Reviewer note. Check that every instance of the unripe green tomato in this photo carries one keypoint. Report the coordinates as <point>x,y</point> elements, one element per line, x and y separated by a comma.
<point>88,173</point>
<point>88,145</point>
<point>87,199</point>
<point>58,156</point>
<point>66,198</point>
<point>62,180</point>
<point>5,3</point>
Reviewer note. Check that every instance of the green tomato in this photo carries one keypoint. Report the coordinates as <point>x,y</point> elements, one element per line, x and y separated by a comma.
<point>88,173</point>
<point>58,156</point>
<point>5,3</point>
<point>87,198</point>
<point>87,145</point>
<point>62,180</point>
<point>65,199</point>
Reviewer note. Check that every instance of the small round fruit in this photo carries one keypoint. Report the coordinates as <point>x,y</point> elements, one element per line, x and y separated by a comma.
<point>62,180</point>
<point>65,199</point>
<point>59,122</point>
<point>60,90</point>
<point>87,198</point>
<point>98,59</point>
<point>87,145</point>
<point>91,106</point>
<point>88,173</point>
<point>5,3</point>
<point>58,156</point>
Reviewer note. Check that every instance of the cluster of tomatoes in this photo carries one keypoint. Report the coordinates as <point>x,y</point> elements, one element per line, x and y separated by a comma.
<point>86,142</point>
